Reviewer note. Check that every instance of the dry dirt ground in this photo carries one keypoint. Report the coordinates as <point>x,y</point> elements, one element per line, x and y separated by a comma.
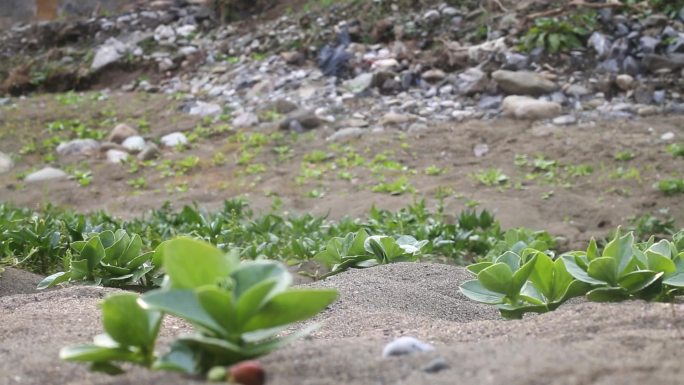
<point>565,200</point>
<point>581,343</point>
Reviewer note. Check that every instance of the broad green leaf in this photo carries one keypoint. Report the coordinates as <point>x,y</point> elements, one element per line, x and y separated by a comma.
<point>139,260</point>
<point>132,251</point>
<point>92,252</point>
<point>79,270</point>
<point>220,306</point>
<point>475,291</point>
<point>607,294</point>
<point>576,271</point>
<point>604,269</point>
<point>517,311</point>
<point>89,353</point>
<point>520,277</point>
<point>358,245</point>
<point>290,306</point>
<point>384,248</point>
<point>126,322</point>
<point>180,358</point>
<point>676,280</point>
<point>531,294</point>
<point>478,267</point>
<point>252,300</point>
<point>511,259</point>
<point>620,249</point>
<point>253,273</point>
<point>543,275</point>
<point>53,280</point>
<point>592,250</point>
<point>190,263</point>
<point>659,262</point>
<point>574,289</point>
<point>114,252</point>
<point>554,42</point>
<point>184,304</point>
<point>116,270</point>
<point>497,278</point>
<point>663,248</point>
<point>107,238</point>
<point>639,280</point>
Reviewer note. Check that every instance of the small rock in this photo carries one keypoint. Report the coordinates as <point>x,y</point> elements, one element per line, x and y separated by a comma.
<point>360,83</point>
<point>121,132</point>
<point>206,109</point>
<point>6,163</point>
<point>151,151</point>
<point>385,65</point>
<point>490,102</point>
<point>523,107</point>
<point>433,75</point>
<point>186,30</point>
<point>293,57</point>
<point>472,81</point>
<point>667,136</point>
<point>392,118</point>
<point>480,150</point>
<point>417,127</point>
<point>431,15</point>
<point>643,94</point>
<point>45,174</point>
<point>405,345</point>
<point>306,119</point>
<point>78,147</point>
<point>174,139</point>
<point>346,133</point>
<point>625,82</point>
<point>565,120</point>
<point>577,90</point>
<point>109,53</point>
<point>244,120</point>
<point>523,83</point>
<point>134,143</point>
<point>117,156</point>
<point>648,111</point>
<point>436,365</point>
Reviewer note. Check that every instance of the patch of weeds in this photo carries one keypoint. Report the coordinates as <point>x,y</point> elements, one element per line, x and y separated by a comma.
<point>137,183</point>
<point>218,159</point>
<point>316,156</point>
<point>399,186</point>
<point>559,34</point>
<point>84,178</point>
<point>676,149</point>
<point>659,224</point>
<point>345,175</point>
<point>631,173</point>
<point>256,168</point>
<point>284,153</point>
<point>69,99</point>
<point>315,193</point>
<point>624,156</point>
<point>671,186</point>
<point>433,170</point>
<point>491,177</point>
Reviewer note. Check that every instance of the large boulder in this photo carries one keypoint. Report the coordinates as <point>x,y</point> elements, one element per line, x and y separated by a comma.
<point>523,83</point>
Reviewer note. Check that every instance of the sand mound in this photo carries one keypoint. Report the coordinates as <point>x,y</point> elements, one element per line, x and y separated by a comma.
<point>583,343</point>
<point>15,281</point>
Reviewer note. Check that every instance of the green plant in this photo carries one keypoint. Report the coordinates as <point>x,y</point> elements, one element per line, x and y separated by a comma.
<point>108,259</point>
<point>237,311</point>
<point>676,149</point>
<point>671,186</point>
<point>491,177</point>
<point>359,250</point>
<point>137,183</point>
<point>433,170</point>
<point>556,34</point>
<point>624,156</point>
<point>399,186</point>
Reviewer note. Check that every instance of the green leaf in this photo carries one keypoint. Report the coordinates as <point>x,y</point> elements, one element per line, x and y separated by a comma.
<point>114,252</point>
<point>180,358</point>
<point>659,262</point>
<point>357,247</point>
<point>676,280</point>
<point>475,291</point>
<point>132,251</point>
<point>252,300</point>
<point>620,249</point>
<point>92,252</point>
<point>497,278</point>
<point>89,352</point>
<point>79,270</point>
<point>543,275</point>
<point>478,267</point>
<point>607,294</point>
<point>577,272</point>
<point>126,322</point>
<point>520,277</point>
<point>592,250</point>
<point>190,263</point>
<point>220,306</point>
<point>511,259</point>
<point>182,303</point>
<point>638,280</point>
<point>53,280</point>
<point>554,42</point>
<point>253,273</point>
<point>604,269</point>
<point>290,306</point>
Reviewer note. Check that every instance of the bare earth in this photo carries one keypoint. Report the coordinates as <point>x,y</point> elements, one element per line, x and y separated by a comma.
<point>581,343</point>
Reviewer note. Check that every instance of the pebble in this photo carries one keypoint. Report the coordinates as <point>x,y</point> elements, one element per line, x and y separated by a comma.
<point>206,109</point>
<point>246,119</point>
<point>117,156</point>
<point>134,143</point>
<point>120,133</point>
<point>151,151</point>
<point>78,147</point>
<point>406,345</point>
<point>565,120</point>
<point>45,174</point>
<point>346,133</point>
<point>523,107</point>
<point>6,163</point>
<point>436,365</point>
<point>667,136</point>
<point>174,139</point>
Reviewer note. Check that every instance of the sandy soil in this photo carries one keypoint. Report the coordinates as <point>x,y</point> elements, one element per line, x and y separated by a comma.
<point>581,343</point>
<point>576,208</point>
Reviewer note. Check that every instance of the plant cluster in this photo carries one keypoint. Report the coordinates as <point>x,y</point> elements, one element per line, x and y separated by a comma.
<point>532,281</point>
<point>237,310</point>
<point>558,34</point>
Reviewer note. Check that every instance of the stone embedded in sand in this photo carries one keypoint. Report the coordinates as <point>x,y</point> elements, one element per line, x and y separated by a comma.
<point>406,345</point>
<point>523,83</point>
<point>110,52</point>
<point>246,119</point>
<point>625,82</point>
<point>524,107</point>
<point>78,147</point>
<point>206,109</point>
<point>121,132</point>
<point>436,365</point>
<point>433,75</point>
<point>151,151</point>
<point>6,163</point>
<point>134,143</point>
<point>174,139</point>
<point>45,174</point>
<point>117,156</point>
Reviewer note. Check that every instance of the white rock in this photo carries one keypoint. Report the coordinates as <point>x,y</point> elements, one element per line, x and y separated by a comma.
<point>565,120</point>
<point>625,82</point>
<point>244,120</point>
<point>406,345</point>
<point>78,146</point>
<point>186,30</point>
<point>116,156</point>
<point>6,163</point>
<point>346,133</point>
<point>667,136</point>
<point>391,118</point>
<point>359,83</point>
<point>165,35</point>
<point>523,107</point>
<point>206,109</point>
<point>45,174</point>
<point>430,15</point>
<point>134,143</point>
<point>523,82</point>
<point>385,64</point>
<point>174,139</point>
<point>111,51</point>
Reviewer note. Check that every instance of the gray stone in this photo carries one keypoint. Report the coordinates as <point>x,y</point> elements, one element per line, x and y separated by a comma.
<point>625,82</point>
<point>205,109</point>
<point>112,51</point>
<point>117,156</point>
<point>246,119</point>
<point>523,83</point>
<point>45,174</point>
<point>121,132</point>
<point>490,102</point>
<point>151,151</point>
<point>659,96</point>
<point>134,144</point>
<point>346,133</point>
<point>523,107</point>
<point>174,139</point>
<point>431,15</point>
<point>406,345</point>
<point>472,81</point>
<point>436,365</point>
<point>392,118</point>
<point>301,119</point>
<point>565,120</point>
<point>6,163</point>
<point>78,147</point>
<point>433,75</point>
<point>360,83</point>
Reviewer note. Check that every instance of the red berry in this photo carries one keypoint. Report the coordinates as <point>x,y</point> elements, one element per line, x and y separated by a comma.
<point>247,373</point>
